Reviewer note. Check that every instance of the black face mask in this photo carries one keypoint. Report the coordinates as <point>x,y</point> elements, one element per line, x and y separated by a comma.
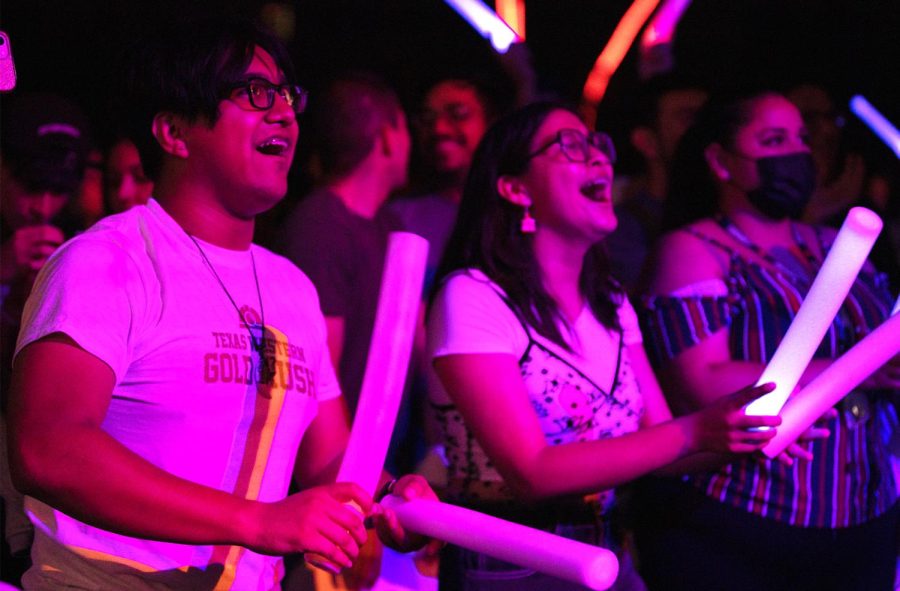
<point>786,184</point>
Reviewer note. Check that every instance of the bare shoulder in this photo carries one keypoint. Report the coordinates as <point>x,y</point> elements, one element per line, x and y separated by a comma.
<point>684,257</point>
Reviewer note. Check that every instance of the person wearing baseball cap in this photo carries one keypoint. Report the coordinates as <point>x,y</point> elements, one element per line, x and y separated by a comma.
<point>43,148</point>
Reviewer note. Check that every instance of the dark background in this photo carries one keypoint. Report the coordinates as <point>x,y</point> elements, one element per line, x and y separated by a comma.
<point>850,45</point>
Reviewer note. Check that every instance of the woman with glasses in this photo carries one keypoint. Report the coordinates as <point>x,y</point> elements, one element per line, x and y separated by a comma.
<point>547,399</point>
<point>742,177</point>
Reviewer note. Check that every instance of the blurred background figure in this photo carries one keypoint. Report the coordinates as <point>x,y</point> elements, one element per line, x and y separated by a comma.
<point>453,117</point>
<point>43,150</point>
<point>849,172</point>
<point>727,282</point>
<point>124,182</point>
<point>88,205</point>
<point>662,109</point>
<point>338,236</point>
<point>840,175</point>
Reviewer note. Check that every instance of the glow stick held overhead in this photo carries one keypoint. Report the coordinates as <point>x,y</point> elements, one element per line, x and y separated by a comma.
<point>877,122</point>
<point>386,367</point>
<point>486,22</point>
<point>589,565</point>
<point>662,28</point>
<point>828,291</point>
<point>655,45</point>
<point>614,52</point>
<point>838,379</point>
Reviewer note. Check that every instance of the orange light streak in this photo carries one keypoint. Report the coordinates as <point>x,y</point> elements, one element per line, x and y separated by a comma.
<point>513,12</point>
<point>612,55</point>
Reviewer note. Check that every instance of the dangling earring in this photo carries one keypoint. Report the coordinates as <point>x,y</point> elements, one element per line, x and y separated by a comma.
<point>528,224</point>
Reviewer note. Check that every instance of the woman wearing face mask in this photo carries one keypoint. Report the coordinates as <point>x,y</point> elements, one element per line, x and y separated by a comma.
<point>725,287</point>
<point>546,394</point>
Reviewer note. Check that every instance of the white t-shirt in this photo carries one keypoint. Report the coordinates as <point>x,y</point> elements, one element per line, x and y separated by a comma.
<point>586,394</point>
<point>135,292</point>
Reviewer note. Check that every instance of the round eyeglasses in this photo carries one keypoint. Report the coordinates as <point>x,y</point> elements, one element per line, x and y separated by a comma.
<point>576,146</point>
<point>259,94</point>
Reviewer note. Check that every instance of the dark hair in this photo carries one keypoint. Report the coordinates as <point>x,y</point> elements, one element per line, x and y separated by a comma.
<point>644,106</point>
<point>494,94</point>
<point>185,69</point>
<point>692,190</point>
<point>346,117</point>
<point>487,234</point>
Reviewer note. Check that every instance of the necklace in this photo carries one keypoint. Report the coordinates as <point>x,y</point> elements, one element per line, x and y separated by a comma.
<point>265,372</point>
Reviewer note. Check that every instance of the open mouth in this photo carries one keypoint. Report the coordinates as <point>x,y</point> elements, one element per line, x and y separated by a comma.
<point>274,146</point>
<point>596,190</point>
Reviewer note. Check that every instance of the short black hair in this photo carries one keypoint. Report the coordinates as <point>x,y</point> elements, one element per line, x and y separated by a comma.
<point>184,68</point>
<point>645,103</point>
<point>346,117</point>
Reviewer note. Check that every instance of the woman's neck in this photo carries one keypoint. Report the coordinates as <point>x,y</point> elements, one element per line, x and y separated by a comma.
<point>560,263</point>
<point>762,231</point>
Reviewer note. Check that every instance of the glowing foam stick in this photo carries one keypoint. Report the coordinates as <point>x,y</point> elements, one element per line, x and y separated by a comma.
<point>838,379</point>
<point>656,42</point>
<point>513,14</point>
<point>486,22</point>
<point>827,293</point>
<point>896,306</point>
<point>662,28</point>
<point>616,48</point>
<point>563,558</point>
<point>876,122</point>
<point>386,367</point>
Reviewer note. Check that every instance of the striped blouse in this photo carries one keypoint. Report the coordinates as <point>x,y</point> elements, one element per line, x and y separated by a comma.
<point>849,481</point>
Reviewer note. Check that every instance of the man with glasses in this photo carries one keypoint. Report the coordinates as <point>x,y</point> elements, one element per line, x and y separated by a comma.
<point>169,370</point>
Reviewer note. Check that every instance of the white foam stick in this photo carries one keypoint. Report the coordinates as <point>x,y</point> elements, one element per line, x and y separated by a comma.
<point>486,22</point>
<point>877,122</point>
<point>563,558</point>
<point>386,367</point>
<point>838,379</point>
<point>896,306</point>
<point>831,285</point>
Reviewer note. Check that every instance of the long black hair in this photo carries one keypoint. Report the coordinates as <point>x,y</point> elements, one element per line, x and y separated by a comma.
<point>487,235</point>
<point>692,190</point>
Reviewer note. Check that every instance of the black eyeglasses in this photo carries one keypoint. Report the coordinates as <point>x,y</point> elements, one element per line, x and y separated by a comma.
<point>576,146</point>
<point>259,93</point>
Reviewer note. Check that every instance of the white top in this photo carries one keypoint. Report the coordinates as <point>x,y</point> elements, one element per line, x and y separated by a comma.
<point>135,292</point>
<point>586,394</point>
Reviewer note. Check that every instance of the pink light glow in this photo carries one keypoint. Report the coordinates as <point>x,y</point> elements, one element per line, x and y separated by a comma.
<point>877,122</point>
<point>486,22</point>
<point>662,28</point>
<point>805,407</point>
<point>827,293</point>
<point>563,558</point>
<point>386,367</point>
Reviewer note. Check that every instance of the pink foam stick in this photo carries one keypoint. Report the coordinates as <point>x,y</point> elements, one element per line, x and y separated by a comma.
<point>831,285</point>
<point>386,367</point>
<point>561,557</point>
<point>838,379</point>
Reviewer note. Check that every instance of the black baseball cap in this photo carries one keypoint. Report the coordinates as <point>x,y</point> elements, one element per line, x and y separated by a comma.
<point>44,141</point>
